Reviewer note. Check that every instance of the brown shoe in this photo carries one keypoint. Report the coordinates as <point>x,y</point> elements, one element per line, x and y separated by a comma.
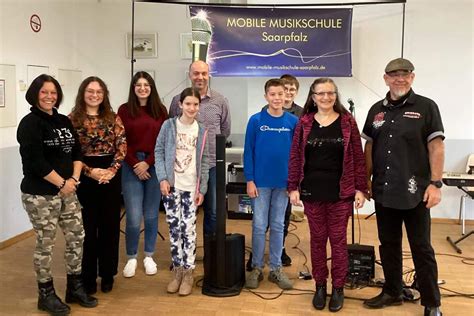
<point>187,282</point>
<point>173,286</point>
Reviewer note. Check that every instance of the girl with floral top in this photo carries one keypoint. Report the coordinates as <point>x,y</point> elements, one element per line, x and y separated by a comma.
<point>102,137</point>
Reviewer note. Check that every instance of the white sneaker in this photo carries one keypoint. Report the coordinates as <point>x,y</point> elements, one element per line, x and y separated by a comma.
<point>130,267</point>
<point>150,266</point>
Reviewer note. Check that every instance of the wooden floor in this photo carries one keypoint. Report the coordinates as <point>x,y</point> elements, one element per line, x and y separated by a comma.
<point>146,295</point>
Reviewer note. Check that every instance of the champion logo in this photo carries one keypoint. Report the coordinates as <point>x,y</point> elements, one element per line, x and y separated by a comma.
<point>379,120</point>
<point>413,115</point>
<point>266,128</point>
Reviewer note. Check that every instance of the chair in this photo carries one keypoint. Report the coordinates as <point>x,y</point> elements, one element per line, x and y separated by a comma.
<point>469,192</point>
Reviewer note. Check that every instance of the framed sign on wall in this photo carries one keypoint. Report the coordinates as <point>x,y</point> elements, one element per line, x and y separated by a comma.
<point>145,45</point>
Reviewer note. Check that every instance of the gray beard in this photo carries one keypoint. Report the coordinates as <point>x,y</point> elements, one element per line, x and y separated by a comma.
<point>399,93</point>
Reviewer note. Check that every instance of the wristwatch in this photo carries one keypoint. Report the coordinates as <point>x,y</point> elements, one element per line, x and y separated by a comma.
<point>437,183</point>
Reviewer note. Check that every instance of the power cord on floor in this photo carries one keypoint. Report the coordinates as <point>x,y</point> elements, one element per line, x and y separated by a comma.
<point>456,293</point>
<point>298,241</point>
<point>465,260</point>
<point>410,293</point>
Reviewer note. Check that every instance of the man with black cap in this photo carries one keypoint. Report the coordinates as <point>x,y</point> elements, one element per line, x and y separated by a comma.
<point>405,156</point>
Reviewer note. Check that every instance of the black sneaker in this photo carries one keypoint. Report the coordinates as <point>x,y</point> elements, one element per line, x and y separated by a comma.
<point>107,284</point>
<point>432,311</point>
<point>383,300</point>
<point>285,259</point>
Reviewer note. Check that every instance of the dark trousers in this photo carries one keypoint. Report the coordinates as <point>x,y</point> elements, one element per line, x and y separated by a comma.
<point>328,220</point>
<point>287,222</point>
<point>101,205</point>
<point>210,204</point>
<point>418,226</point>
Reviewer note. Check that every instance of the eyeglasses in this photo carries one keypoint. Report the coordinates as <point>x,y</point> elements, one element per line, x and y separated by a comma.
<point>291,90</point>
<point>325,93</point>
<point>143,85</point>
<point>399,74</point>
<point>98,92</point>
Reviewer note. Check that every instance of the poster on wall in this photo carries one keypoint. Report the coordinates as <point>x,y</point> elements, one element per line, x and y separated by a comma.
<point>8,113</point>
<point>268,42</point>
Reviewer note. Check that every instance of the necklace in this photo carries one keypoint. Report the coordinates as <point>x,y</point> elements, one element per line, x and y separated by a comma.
<point>323,120</point>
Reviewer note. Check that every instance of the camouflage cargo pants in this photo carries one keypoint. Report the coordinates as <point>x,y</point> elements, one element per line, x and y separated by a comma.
<point>45,213</point>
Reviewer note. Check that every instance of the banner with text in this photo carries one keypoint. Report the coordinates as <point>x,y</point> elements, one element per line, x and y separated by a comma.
<point>261,42</point>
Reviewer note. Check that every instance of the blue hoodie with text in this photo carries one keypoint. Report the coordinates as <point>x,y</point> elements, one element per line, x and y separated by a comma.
<point>267,149</point>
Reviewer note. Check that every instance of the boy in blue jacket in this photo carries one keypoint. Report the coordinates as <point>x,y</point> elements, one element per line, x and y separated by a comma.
<point>267,148</point>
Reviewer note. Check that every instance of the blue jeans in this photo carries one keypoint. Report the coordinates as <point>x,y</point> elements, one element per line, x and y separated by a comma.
<point>142,200</point>
<point>210,204</point>
<point>269,211</point>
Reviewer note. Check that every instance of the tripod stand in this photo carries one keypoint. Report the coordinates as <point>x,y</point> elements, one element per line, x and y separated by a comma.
<point>141,231</point>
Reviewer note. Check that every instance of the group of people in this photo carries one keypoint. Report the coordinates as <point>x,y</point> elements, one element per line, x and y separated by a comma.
<point>315,157</point>
<point>77,169</point>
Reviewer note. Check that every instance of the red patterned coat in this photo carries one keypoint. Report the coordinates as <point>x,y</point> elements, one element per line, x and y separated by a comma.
<point>353,168</point>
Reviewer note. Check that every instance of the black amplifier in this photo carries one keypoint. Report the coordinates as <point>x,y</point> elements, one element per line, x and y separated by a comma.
<point>361,263</point>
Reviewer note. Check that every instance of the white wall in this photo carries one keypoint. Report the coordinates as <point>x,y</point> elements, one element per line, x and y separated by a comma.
<point>89,35</point>
<point>54,47</point>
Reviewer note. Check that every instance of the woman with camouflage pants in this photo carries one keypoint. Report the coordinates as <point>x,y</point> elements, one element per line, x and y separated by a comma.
<point>51,157</point>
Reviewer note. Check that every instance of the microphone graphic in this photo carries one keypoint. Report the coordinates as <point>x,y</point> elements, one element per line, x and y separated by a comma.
<point>201,32</point>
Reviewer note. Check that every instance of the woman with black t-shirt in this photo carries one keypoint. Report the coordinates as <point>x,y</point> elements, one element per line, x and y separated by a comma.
<point>51,157</point>
<point>327,172</point>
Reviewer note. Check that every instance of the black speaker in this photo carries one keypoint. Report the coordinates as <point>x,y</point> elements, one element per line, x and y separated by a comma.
<point>361,263</point>
<point>224,255</point>
<point>233,263</point>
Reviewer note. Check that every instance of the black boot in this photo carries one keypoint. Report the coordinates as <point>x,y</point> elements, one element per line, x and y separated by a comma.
<point>49,302</point>
<point>319,299</point>
<point>76,293</point>
<point>337,299</point>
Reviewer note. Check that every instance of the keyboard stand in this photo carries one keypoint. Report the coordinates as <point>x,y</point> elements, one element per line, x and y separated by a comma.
<point>462,218</point>
<point>455,243</point>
